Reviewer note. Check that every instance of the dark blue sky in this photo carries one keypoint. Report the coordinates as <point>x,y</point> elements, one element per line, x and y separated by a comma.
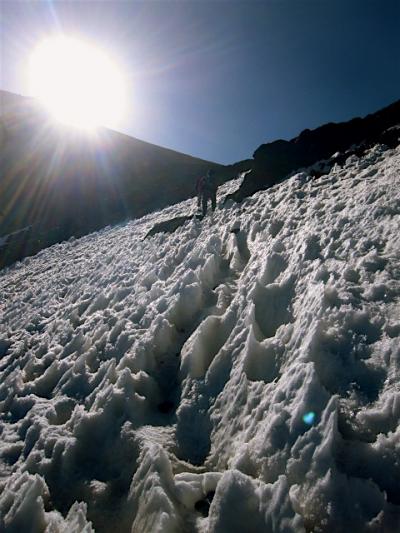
<point>217,79</point>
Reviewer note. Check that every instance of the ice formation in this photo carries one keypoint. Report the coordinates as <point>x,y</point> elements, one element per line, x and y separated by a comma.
<point>238,375</point>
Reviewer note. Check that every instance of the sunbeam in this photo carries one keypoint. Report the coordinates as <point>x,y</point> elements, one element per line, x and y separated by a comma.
<point>78,83</point>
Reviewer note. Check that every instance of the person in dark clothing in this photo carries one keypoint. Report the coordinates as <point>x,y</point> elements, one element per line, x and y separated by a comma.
<point>209,192</point>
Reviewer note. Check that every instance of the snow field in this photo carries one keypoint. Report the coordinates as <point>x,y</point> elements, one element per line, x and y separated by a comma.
<point>240,374</point>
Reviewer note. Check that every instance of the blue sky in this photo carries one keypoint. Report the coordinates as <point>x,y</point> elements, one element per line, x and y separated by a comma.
<point>217,79</point>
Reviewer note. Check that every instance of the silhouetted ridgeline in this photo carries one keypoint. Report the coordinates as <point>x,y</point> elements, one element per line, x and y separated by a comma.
<point>274,161</point>
<point>61,183</point>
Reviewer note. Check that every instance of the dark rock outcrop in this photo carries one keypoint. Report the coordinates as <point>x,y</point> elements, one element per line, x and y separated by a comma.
<point>274,161</point>
<point>168,226</point>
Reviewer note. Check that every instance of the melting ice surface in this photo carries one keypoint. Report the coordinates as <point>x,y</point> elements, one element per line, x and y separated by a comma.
<point>160,385</point>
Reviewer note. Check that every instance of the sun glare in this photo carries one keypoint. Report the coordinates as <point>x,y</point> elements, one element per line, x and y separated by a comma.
<point>77,82</point>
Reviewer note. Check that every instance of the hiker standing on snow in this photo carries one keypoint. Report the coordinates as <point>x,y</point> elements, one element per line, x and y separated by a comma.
<point>206,188</point>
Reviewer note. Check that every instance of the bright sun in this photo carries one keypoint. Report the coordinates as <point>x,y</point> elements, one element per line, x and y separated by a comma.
<point>77,82</point>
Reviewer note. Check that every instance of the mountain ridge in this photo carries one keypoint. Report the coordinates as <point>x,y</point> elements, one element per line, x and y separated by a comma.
<point>60,182</point>
<point>276,160</point>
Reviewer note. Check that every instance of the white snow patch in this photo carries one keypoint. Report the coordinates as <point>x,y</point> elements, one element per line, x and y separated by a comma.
<point>239,374</point>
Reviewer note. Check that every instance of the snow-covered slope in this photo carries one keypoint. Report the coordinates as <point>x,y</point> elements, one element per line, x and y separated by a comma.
<point>239,375</point>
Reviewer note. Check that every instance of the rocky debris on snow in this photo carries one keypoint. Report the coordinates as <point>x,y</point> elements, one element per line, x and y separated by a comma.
<point>168,226</point>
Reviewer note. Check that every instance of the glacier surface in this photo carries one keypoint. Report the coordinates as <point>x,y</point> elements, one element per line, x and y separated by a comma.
<point>238,375</point>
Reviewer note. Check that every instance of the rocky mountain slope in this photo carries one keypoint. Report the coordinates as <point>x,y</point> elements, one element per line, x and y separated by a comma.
<point>56,182</point>
<point>274,161</point>
<point>238,374</point>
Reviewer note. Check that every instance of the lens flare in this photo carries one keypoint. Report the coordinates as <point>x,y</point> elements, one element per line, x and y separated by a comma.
<point>309,418</point>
